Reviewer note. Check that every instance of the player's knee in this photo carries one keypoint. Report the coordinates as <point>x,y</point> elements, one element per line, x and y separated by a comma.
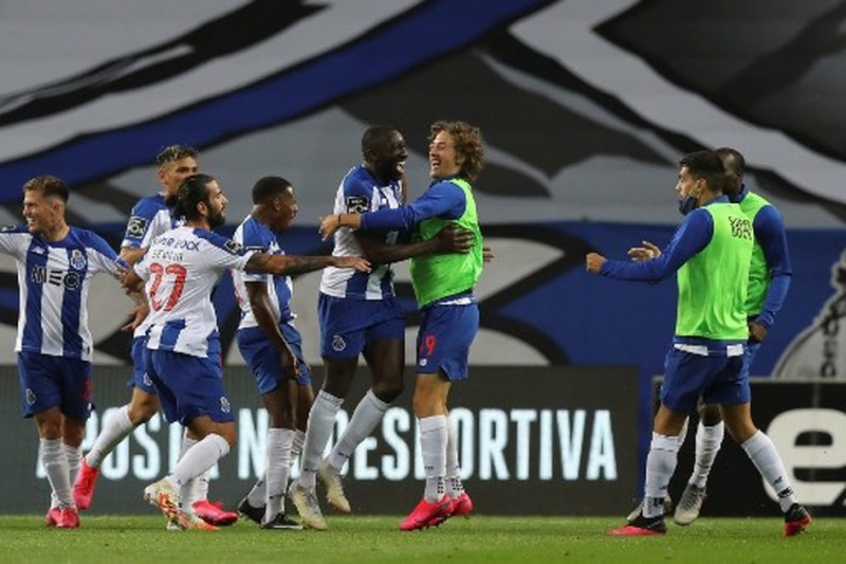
<point>709,414</point>
<point>388,391</point>
<point>140,413</point>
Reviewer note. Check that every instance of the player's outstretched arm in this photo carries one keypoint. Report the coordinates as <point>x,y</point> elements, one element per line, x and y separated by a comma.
<point>450,239</point>
<point>285,265</point>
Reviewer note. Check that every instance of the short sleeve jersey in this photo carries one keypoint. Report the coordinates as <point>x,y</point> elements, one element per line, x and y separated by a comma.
<point>361,192</point>
<point>181,267</point>
<point>53,283</point>
<point>254,236</point>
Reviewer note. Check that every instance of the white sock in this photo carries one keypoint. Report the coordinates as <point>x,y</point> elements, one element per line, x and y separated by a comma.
<point>55,465</point>
<point>708,442</point>
<point>116,427</point>
<point>297,445</point>
<point>258,495</point>
<point>199,458</point>
<point>660,465</point>
<point>366,416</point>
<point>321,418</point>
<point>74,456</point>
<point>277,468</point>
<point>433,441</point>
<point>765,457</point>
<point>186,491</point>
<point>453,469</point>
<point>198,488</point>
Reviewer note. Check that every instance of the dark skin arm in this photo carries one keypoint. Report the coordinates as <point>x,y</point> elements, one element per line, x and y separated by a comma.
<point>257,294</point>
<point>288,265</point>
<point>450,239</point>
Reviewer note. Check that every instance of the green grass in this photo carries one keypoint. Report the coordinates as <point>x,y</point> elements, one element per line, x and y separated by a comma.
<point>125,539</point>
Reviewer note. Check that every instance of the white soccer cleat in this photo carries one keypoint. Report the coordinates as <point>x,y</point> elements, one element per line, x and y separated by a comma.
<point>689,505</point>
<point>331,478</point>
<point>162,495</point>
<point>307,506</point>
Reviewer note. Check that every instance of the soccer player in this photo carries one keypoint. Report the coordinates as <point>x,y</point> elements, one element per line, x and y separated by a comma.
<point>359,315</point>
<point>55,264</point>
<point>769,280</point>
<point>711,251</point>
<point>150,217</point>
<point>270,344</point>
<point>183,355</point>
<point>443,285</point>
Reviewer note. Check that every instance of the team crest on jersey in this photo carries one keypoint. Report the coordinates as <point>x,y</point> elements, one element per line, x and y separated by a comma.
<point>225,406</point>
<point>147,380</point>
<point>78,260</point>
<point>338,343</point>
<point>31,398</point>
<point>136,226</point>
<point>233,247</point>
<point>357,204</point>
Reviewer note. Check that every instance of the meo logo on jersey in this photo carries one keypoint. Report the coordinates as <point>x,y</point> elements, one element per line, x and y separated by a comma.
<point>357,204</point>
<point>136,227</point>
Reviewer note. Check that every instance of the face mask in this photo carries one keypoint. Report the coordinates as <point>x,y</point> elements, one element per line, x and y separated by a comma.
<point>688,204</point>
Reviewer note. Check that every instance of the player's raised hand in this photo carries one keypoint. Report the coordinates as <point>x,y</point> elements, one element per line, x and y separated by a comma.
<point>594,262</point>
<point>647,252</point>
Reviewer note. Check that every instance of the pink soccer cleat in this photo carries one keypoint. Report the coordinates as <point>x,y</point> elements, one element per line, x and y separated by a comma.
<point>68,519</point>
<point>460,506</point>
<point>213,513</point>
<point>52,517</point>
<point>425,512</point>
<point>83,489</point>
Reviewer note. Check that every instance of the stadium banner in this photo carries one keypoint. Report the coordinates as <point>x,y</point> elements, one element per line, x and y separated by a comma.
<point>532,441</point>
<point>807,423</point>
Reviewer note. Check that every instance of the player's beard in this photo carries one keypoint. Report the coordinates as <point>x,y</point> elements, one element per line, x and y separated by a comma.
<point>216,220</point>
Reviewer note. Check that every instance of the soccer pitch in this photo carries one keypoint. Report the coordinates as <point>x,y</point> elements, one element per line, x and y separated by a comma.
<point>485,539</point>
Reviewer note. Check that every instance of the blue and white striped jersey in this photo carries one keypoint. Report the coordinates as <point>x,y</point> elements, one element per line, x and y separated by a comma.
<point>149,218</point>
<point>53,282</point>
<point>180,268</point>
<point>361,192</point>
<point>255,236</point>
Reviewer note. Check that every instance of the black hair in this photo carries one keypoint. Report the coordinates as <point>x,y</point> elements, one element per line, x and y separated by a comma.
<point>707,165</point>
<point>732,159</point>
<point>269,187</point>
<point>374,137</point>
<point>191,192</point>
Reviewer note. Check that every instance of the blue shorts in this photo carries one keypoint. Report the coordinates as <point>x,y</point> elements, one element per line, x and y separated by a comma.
<point>444,339</point>
<point>750,351</point>
<point>348,325</point>
<point>719,379</point>
<point>263,360</point>
<point>140,379</point>
<point>50,381</point>
<point>188,386</point>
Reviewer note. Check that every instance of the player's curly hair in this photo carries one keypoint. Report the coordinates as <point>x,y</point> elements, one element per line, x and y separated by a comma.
<point>468,144</point>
